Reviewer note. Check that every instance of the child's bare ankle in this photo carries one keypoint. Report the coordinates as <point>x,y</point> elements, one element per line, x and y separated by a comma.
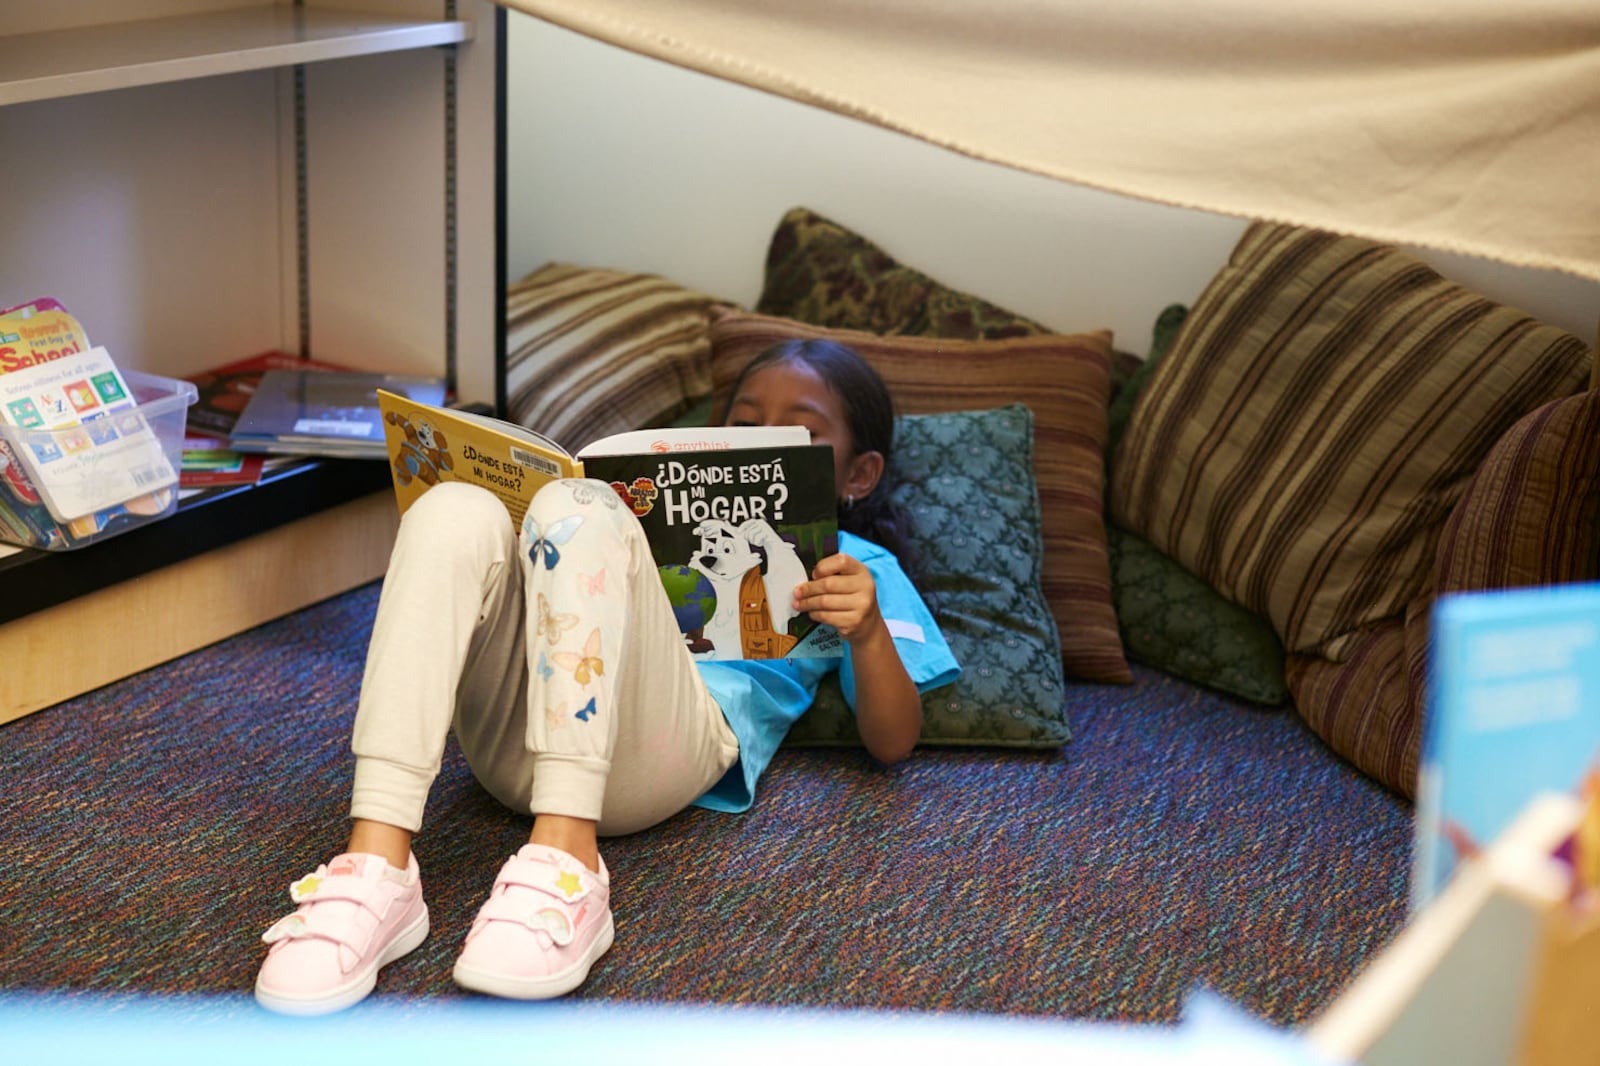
<point>390,842</point>
<point>575,836</point>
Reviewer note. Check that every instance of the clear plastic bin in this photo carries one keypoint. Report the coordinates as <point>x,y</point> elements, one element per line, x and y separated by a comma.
<point>136,485</point>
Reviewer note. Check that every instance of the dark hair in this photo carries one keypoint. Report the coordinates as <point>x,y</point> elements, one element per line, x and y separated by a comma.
<point>869,416</point>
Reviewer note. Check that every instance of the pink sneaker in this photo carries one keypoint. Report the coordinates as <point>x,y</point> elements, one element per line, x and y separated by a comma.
<point>547,920</point>
<point>356,914</point>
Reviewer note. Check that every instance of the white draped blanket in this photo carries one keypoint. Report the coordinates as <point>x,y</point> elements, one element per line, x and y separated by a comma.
<point>1469,126</point>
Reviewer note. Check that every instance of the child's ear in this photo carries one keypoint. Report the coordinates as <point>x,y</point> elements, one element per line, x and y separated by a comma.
<point>863,475</point>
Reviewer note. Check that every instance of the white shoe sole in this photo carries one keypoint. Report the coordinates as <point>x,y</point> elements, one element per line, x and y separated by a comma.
<point>547,986</point>
<point>357,988</point>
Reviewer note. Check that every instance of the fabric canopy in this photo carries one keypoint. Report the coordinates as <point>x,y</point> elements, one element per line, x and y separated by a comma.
<point>1468,126</point>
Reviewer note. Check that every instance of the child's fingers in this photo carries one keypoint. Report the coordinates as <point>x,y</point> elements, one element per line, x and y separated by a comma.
<point>825,601</point>
<point>841,585</point>
<point>838,563</point>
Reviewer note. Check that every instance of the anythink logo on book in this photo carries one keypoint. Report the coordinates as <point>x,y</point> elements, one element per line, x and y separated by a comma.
<point>663,446</point>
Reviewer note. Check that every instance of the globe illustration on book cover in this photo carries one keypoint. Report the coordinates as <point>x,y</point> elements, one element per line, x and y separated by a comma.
<point>693,600</point>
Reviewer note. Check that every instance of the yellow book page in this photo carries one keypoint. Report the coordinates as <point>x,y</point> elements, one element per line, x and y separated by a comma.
<point>427,445</point>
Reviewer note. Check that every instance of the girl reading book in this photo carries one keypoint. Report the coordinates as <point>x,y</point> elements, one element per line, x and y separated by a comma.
<point>558,662</point>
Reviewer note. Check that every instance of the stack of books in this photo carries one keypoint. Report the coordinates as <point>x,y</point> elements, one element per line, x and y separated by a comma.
<point>330,413</point>
<point>307,407</point>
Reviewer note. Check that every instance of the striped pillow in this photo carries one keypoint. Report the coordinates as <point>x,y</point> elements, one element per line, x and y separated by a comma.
<point>1532,513</point>
<point>1325,402</point>
<point>591,352</point>
<point>1065,380</point>
<point>1531,516</point>
<point>1368,708</point>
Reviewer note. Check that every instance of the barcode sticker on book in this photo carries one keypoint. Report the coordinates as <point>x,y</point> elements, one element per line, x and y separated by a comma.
<point>151,474</point>
<point>328,427</point>
<point>535,461</point>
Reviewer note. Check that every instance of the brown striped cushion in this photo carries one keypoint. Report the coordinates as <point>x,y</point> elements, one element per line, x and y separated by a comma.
<point>1368,708</point>
<point>1065,380</point>
<point>591,352</point>
<point>1321,411</point>
<point>1531,515</point>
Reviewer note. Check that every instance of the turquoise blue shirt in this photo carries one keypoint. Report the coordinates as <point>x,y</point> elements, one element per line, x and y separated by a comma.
<point>762,698</point>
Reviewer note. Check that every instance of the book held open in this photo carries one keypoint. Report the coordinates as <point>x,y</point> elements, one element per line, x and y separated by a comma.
<point>736,516</point>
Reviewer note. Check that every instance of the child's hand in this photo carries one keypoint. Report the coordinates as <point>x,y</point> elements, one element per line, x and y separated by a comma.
<point>841,593</point>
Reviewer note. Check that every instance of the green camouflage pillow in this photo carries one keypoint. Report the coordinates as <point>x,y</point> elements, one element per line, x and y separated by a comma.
<point>1165,331</point>
<point>967,480</point>
<point>820,272</point>
<point>1172,620</point>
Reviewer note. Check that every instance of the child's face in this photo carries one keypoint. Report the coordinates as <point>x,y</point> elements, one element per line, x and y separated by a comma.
<point>789,393</point>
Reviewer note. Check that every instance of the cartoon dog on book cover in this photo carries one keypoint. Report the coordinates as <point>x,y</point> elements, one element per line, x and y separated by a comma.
<point>753,600</point>
<point>423,455</point>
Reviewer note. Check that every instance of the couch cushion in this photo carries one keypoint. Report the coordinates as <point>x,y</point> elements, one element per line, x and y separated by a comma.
<point>1064,379</point>
<point>1324,404</point>
<point>591,352</point>
<point>1125,392</point>
<point>966,479</point>
<point>821,272</point>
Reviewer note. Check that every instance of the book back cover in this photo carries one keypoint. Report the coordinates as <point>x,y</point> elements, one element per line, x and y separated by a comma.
<point>428,444</point>
<point>224,390</point>
<point>1513,710</point>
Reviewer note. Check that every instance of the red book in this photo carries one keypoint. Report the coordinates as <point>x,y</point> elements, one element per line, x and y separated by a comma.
<point>208,462</point>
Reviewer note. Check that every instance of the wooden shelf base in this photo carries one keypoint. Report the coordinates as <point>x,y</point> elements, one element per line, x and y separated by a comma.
<point>146,620</point>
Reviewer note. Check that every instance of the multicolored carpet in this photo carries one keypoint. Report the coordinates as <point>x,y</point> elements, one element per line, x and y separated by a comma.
<point>149,831</point>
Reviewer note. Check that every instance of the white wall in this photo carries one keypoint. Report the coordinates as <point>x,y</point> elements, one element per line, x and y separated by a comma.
<point>615,160</point>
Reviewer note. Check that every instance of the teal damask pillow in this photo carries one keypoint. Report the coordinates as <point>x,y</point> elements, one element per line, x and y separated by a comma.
<point>966,478</point>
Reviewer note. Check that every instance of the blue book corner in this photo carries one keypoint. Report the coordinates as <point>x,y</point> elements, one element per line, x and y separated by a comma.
<point>1513,709</point>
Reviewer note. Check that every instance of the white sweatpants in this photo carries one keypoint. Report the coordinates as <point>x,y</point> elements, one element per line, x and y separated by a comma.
<point>553,653</point>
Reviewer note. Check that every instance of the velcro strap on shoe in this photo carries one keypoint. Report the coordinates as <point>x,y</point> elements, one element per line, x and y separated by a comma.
<point>553,881</point>
<point>344,889</point>
<point>289,927</point>
<point>552,921</point>
<point>309,924</point>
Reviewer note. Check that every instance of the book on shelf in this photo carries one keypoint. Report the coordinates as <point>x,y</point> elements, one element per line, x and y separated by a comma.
<point>323,412</point>
<point>38,331</point>
<point>40,339</point>
<point>1512,710</point>
<point>208,462</point>
<point>736,516</point>
<point>222,391</point>
<point>77,441</point>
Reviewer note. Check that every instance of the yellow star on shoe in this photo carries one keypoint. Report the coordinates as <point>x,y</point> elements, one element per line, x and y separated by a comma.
<point>568,883</point>
<point>304,888</point>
